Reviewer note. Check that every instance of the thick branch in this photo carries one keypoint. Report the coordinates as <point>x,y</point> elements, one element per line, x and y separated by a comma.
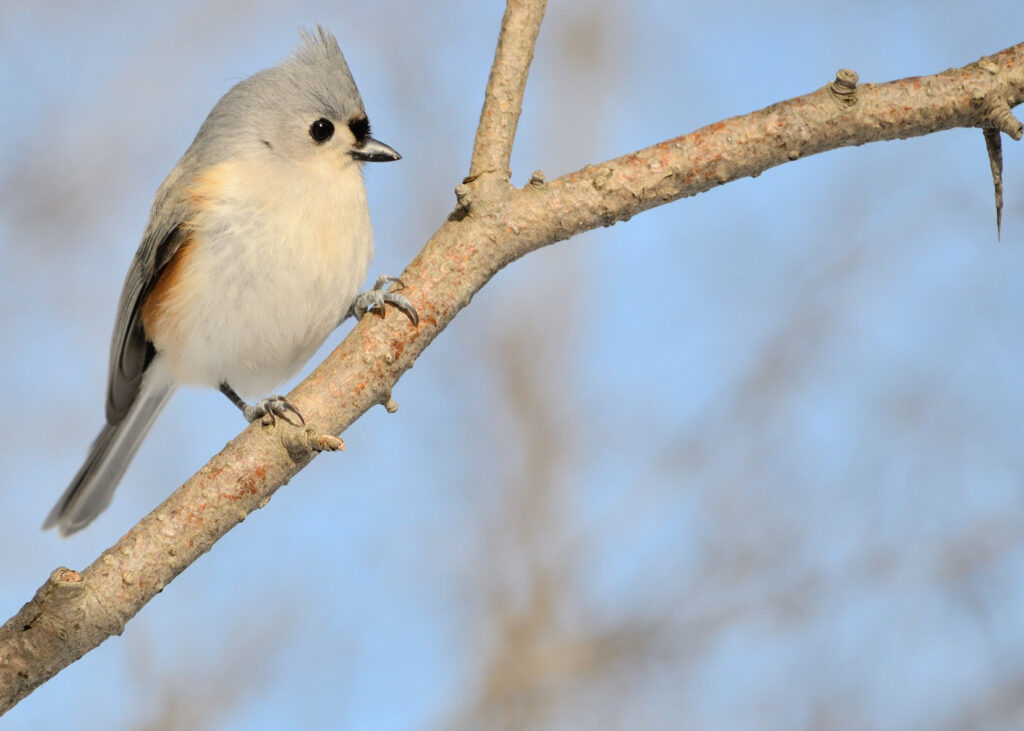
<point>503,100</point>
<point>748,145</point>
<point>493,225</point>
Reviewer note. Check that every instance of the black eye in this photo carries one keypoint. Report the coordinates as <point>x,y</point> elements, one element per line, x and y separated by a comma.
<point>321,130</point>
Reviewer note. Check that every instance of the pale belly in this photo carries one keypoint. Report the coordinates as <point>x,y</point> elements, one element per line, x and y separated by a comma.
<point>260,293</point>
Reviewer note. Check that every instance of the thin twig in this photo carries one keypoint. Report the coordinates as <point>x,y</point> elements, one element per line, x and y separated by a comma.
<point>503,100</point>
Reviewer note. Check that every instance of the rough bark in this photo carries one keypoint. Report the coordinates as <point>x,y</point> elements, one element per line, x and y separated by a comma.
<point>493,224</point>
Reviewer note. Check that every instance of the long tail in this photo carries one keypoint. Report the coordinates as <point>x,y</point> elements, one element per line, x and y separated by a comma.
<point>90,492</point>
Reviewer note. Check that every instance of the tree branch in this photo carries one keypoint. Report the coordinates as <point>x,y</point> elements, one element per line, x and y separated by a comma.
<point>503,100</point>
<point>491,226</point>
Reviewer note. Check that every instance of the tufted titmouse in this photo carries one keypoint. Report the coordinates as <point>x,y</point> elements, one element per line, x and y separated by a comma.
<point>255,248</point>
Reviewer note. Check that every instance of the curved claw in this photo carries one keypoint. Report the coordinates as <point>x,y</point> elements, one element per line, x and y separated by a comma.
<point>403,305</point>
<point>377,299</point>
<point>270,408</point>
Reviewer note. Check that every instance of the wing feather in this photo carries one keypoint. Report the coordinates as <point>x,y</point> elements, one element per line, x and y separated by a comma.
<point>130,349</point>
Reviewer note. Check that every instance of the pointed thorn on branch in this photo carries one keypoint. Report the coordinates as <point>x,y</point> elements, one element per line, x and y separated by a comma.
<point>995,159</point>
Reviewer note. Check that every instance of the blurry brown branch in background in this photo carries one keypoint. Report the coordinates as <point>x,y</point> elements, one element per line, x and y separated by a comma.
<point>546,654</point>
<point>536,645</point>
<point>220,678</point>
<point>492,225</point>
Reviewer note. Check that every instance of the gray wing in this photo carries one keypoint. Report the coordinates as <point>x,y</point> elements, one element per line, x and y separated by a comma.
<point>130,350</point>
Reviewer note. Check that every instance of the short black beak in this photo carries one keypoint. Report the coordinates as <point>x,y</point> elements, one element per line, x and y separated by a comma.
<point>371,150</point>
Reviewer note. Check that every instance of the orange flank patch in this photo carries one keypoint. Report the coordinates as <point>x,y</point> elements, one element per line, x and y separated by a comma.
<point>207,186</point>
<point>157,317</point>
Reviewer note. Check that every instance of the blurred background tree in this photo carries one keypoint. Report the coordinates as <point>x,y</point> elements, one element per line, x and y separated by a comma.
<point>751,460</point>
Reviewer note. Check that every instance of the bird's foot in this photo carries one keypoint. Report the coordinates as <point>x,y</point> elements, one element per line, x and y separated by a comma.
<point>377,299</point>
<point>270,408</point>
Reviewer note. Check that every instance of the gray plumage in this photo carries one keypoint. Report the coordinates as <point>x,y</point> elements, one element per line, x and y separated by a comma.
<point>314,80</point>
<point>92,488</point>
<point>261,125</point>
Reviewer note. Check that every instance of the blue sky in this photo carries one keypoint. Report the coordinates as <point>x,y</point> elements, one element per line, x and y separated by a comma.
<point>772,432</point>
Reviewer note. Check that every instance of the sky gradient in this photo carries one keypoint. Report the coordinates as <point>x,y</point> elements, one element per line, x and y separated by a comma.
<point>755,457</point>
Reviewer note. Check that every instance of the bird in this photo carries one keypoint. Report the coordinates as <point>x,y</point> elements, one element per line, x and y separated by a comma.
<point>256,245</point>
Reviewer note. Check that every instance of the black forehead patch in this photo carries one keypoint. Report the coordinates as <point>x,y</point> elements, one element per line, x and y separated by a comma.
<point>360,128</point>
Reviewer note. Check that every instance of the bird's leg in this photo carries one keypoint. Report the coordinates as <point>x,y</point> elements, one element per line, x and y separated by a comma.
<point>376,299</point>
<point>268,409</point>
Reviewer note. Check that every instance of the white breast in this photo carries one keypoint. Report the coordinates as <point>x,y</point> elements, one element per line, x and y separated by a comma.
<point>278,259</point>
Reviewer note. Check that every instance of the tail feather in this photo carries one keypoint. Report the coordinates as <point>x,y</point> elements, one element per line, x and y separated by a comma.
<point>90,492</point>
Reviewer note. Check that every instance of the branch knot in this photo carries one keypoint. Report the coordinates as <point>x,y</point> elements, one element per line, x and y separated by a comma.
<point>844,88</point>
<point>1000,116</point>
